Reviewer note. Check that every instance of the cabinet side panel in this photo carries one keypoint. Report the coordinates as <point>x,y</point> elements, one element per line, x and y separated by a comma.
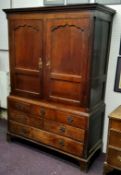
<point>100,61</point>
<point>95,130</point>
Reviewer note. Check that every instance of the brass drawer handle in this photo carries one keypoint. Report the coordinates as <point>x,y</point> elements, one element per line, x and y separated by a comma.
<point>61,142</point>
<point>70,119</point>
<point>119,158</point>
<point>62,129</point>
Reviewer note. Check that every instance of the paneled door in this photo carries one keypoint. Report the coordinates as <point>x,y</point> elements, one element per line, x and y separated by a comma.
<point>27,57</point>
<point>67,60</point>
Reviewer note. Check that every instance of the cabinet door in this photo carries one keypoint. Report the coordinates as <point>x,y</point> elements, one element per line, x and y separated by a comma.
<point>67,60</point>
<point>26,57</point>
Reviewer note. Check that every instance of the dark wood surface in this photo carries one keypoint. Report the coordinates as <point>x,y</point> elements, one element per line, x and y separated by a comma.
<point>26,76</point>
<point>66,79</point>
<point>58,66</point>
<point>113,157</point>
<point>92,6</point>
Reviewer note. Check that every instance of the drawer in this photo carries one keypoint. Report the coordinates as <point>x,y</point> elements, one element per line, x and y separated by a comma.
<point>115,124</point>
<point>71,119</point>
<point>115,139</point>
<point>18,105</point>
<point>19,129</point>
<point>59,142</point>
<point>25,118</point>
<point>114,157</point>
<point>65,130</point>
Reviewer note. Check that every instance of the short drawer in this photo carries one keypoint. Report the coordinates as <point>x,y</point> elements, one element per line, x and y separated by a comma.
<point>25,118</point>
<point>18,105</point>
<point>59,142</point>
<point>19,129</point>
<point>65,130</point>
<point>115,124</point>
<point>114,157</point>
<point>115,138</point>
<point>69,119</point>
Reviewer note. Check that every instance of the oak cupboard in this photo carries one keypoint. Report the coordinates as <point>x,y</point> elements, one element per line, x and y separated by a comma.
<point>58,66</point>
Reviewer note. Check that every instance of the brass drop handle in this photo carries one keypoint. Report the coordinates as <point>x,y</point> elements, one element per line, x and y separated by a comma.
<point>61,142</point>
<point>119,158</point>
<point>70,119</point>
<point>40,64</point>
<point>62,129</point>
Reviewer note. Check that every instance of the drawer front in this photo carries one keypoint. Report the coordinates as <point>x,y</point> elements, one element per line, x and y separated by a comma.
<point>70,119</point>
<point>20,106</point>
<point>73,120</point>
<point>115,139</point>
<point>65,130</point>
<point>115,124</point>
<point>19,129</point>
<point>114,157</point>
<point>59,142</point>
<point>25,118</point>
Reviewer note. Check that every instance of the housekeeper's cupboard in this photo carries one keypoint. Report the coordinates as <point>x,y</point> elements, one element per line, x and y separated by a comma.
<point>58,66</point>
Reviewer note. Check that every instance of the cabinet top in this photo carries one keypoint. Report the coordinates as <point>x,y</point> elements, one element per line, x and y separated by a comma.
<point>116,113</point>
<point>79,7</point>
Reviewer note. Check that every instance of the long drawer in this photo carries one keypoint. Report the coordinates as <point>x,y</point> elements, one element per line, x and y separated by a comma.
<point>62,143</point>
<point>65,130</point>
